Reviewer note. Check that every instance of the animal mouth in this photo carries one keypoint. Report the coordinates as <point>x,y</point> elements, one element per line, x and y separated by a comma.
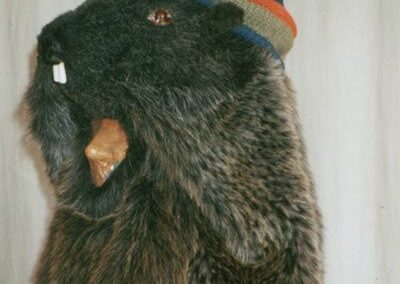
<point>106,150</point>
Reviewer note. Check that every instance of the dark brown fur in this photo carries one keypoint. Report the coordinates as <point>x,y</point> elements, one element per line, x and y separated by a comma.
<point>215,187</point>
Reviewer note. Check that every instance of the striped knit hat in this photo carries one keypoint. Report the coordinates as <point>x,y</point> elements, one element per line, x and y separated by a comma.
<point>266,23</point>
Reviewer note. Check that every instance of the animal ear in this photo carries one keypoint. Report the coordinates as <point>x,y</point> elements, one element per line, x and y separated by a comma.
<point>226,15</point>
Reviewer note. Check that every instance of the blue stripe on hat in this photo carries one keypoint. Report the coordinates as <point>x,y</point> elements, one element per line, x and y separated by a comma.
<point>248,34</point>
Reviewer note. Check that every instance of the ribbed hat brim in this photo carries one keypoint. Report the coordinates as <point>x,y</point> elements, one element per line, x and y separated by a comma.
<point>266,23</point>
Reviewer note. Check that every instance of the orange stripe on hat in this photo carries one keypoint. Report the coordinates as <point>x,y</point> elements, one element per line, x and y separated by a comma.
<point>279,11</point>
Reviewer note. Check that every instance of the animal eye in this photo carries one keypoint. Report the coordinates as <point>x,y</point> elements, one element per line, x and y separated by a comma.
<point>160,17</point>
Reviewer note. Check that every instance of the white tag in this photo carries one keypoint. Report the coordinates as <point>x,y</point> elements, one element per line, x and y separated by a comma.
<point>62,73</point>
<point>56,77</point>
<point>59,73</point>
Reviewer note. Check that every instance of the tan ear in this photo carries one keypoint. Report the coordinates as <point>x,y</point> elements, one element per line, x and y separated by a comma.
<point>106,150</point>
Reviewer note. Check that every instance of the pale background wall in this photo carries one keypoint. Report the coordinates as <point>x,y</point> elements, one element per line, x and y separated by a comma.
<point>346,69</point>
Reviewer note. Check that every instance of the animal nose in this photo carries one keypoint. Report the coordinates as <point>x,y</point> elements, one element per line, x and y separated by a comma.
<point>50,49</point>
